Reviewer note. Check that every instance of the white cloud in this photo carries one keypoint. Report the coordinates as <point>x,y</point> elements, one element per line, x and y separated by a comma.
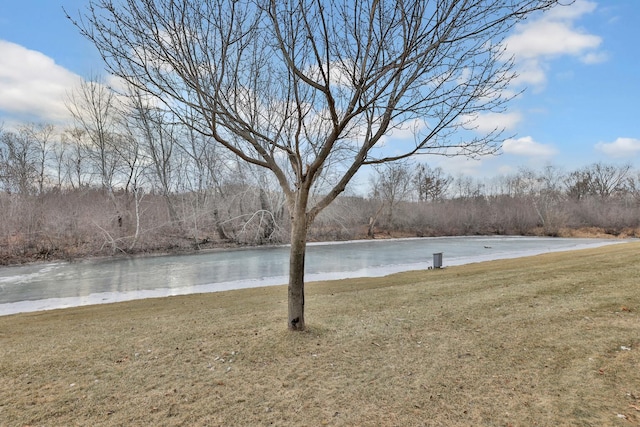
<point>459,165</point>
<point>549,38</point>
<point>552,35</point>
<point>526,146</point>
<point>487,122</point>
<point>576,10</point>
<point>531,71</point>
<point>621,147</point>
<point>32,85</point>
<point>594,57</point>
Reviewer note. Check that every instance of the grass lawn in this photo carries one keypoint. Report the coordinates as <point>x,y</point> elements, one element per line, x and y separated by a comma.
<point>549,340</point>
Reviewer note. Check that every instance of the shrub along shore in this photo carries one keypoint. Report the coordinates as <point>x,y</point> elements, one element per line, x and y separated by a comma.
<point>88,222</point>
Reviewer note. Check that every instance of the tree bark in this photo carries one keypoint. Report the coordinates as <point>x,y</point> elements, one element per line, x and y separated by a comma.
<point>299,225</point>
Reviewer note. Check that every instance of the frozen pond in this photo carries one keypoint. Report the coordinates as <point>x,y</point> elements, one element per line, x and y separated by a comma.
<point>57,285</point>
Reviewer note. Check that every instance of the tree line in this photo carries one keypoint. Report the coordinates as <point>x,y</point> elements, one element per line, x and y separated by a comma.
<point>117,183</point>
<point>599,198</point>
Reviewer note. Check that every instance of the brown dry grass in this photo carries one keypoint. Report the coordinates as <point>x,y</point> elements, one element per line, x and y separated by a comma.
<point>548,340</point>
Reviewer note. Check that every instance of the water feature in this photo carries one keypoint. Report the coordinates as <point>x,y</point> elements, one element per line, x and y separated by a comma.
<point>56,285</point>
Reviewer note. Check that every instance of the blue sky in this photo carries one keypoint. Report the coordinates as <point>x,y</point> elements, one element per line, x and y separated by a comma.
<point>580,66</point>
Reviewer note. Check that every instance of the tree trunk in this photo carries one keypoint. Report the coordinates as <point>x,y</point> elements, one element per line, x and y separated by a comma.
<point>372,222</point>
<point>137,199</point>
<point>299,224</point>
<point>173,215</point>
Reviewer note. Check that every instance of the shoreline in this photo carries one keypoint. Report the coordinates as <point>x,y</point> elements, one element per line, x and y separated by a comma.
<point>47,304</point>
<point>212,247</point>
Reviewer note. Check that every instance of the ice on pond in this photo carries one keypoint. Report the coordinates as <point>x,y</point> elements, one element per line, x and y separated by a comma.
<point>58,285</point>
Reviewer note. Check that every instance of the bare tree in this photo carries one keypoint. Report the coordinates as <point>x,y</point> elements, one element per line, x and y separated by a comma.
<point>22,160</point>
<point>59,153</point>
<point>153,128</point>
<point>93,107</point>
<point>551,180</point>
<point>41,136</point>
<point>548,201</point>
<point>390,185</point>
<point>538,192</point>
<point>578,184</point>
<point>608,180</point>
<point>300,87</point>
<point>597,179</point>
<point>633,184</point>
<point>524,183</point>
<point>466,187</point>
<point>75,157</point>
<point>431,183</point>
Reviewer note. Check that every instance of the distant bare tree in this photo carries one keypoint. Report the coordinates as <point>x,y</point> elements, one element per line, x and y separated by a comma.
<point>22,160</point>
<point>540,193</point>
<point>549,200</point>
<point>195,167</point>
<point>93,107</point>
<point>157,134</point>
<point>59,152</point>
<point>466,187</point>
<point>41,135</point>
<point>633,183</point>
<point>524,183</point>
<point>607,180</point>
<point>551,179</point>
<point>578,184</point>
<point>130,162</point>
<point>390,185</point>
<point>75,157</point>
<point>302,87</point>
<point>597,179</point>
<point>431,184</point>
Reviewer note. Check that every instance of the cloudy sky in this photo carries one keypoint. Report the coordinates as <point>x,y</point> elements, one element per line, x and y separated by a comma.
<point>580,65</point>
